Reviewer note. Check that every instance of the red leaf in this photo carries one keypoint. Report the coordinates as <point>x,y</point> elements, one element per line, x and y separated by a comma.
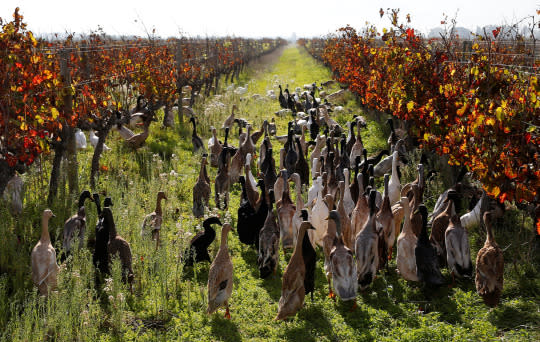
<point>496,32</point>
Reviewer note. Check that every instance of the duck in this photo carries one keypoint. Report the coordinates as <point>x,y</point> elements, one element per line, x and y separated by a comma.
<point>458,252</point>
<point>118,247</point>
<point>314,127</point>
<point>268,257</point>
<point>473,217</point>
<point>489,267</point>
<point>394,185</point>
<point>315,169</point>
<point>124,132</point>
<point>152,222</point>
<point>251,183</point>
<point>332,180</point>
<point>328,240</point>
<point>76,224</point>
<point>138,140</point>
<point>297,218</point>
<point>201,191</point>
<point>100,257</point>
<point>285,212</point>
<point>319,213</point>
<point>230,119</point>
<point>261,212</point>
<point>291,157</point>
<point>440,224</point>
<point>385,165</point>
<point>255,136</point>
<point>293,290</point>
<point>342,161</point>
<point>94,141</point>
<point>214,147</point>
<point>406,244</point>
<point>320,142</point>
<point>344,273</point>
<point>80,139</point>
<point>272,129</point>
<point>268,168</point>
<point>415,202</point>
<point>366,247</point>
<point>246,212</point>
<point>196,141</point>
<point>357,148</point>
<point>198,246</point>
<point>279,185</point>
<point>427,265</point>
<point>354,186</point>
<point>385,220</point>
<point>302,167</point>
<point>222,183</point>
<point>348,202</point>
<point>346,230</point>
<point>44,267</point>
<point>282,99</point>
<point>351,138</point>
<point>310,257</point>
<point>360,213</point>
<point>220,277</point>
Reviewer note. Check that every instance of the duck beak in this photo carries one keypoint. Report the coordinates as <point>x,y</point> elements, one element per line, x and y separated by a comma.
<point>53,215</point>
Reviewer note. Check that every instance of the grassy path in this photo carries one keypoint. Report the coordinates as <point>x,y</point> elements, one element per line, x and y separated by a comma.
<point>170,303</point>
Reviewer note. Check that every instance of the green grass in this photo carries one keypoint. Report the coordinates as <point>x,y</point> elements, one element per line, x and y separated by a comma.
<point>169,303</point>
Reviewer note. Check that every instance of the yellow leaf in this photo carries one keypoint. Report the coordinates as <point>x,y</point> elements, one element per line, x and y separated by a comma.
<point>54,113</point>
<point>499,113</point>
<point>410,106</point>
<point>24,126</point>
<point>490,121</point>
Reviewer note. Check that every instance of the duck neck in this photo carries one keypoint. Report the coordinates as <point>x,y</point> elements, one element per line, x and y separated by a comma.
<point>489,237</point>
<point>299,201</point>
<point>158,205</point>
<point>300,240</point>
<point>45,229</point>
<point>82,198</point>
<point>224,235</point>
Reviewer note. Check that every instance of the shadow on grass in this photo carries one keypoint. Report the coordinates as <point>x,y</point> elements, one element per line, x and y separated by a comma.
<point>314,323</point>
<point>224,329</point>
<point>506,317</point>
<point>356,318</point>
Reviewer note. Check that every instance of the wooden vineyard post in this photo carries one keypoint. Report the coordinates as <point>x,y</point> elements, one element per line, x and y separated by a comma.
<point>67,141</point>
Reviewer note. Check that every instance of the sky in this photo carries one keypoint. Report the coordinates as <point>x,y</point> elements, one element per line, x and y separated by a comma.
<point>253,18</point>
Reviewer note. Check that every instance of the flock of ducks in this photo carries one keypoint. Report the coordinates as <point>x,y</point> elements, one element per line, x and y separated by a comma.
<point>108,244</point>
<point>356,226</point>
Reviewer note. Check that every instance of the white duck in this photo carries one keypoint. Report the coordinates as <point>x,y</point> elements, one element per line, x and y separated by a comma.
<point>473,218</point>
<point>458,253</point>
<point>394,186</point>
<point>315,188</point>
<point>94,141</point>
<point>319,213</point>
<point>80,139</point>
<point>406,243</point>
<point>44,266</point>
